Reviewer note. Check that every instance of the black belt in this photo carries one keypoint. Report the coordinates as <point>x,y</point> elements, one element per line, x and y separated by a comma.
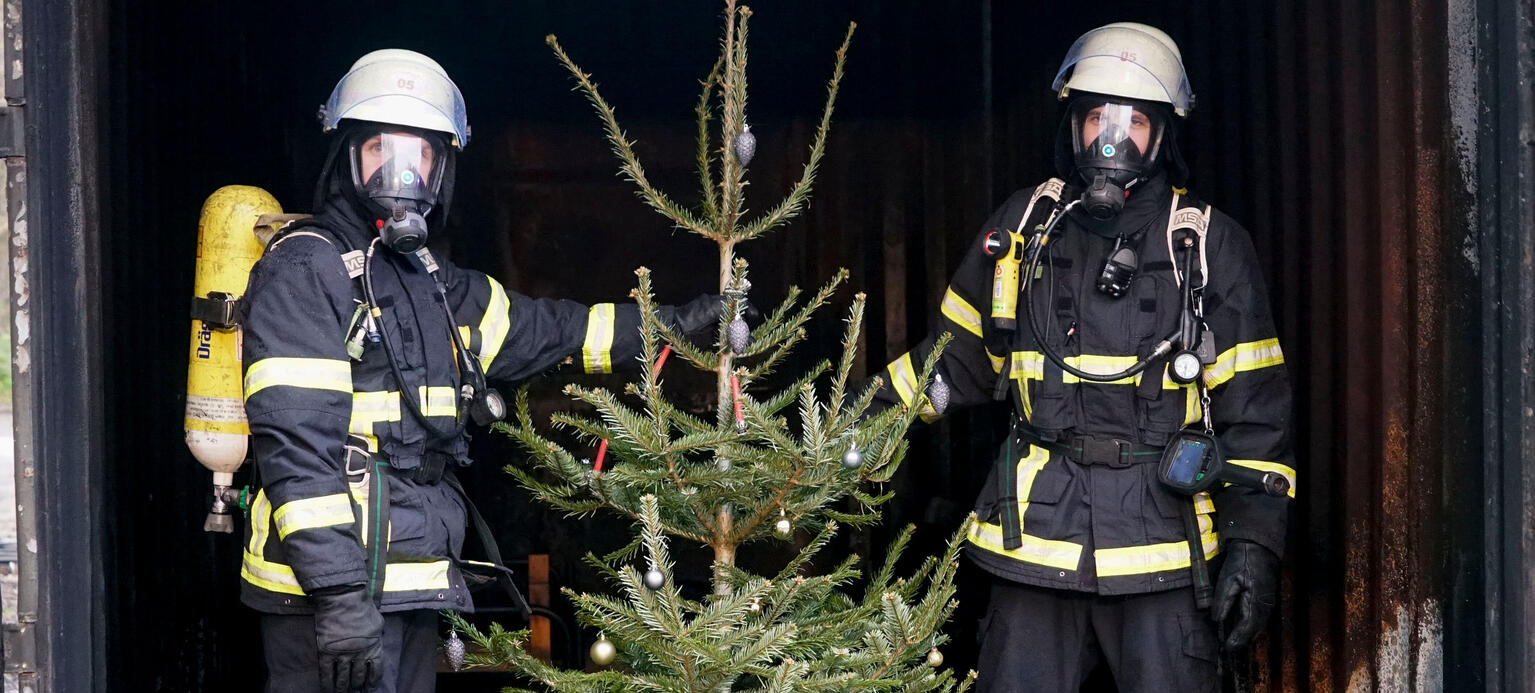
<point>430,470</point>
<point>1109,452</point>
<point>1090,450</point>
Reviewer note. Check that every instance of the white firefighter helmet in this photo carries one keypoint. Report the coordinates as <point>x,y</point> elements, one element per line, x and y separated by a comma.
<point>399,87</point>
<point>1127,59</point>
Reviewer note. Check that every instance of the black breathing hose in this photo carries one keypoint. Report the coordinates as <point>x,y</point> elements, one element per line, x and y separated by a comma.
<point>1034,250</point>
<point>467,360</point>
<point>399,378</point>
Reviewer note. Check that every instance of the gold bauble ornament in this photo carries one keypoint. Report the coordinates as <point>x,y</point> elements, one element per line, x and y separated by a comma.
<point>603,652</point>
<point>934,658</point>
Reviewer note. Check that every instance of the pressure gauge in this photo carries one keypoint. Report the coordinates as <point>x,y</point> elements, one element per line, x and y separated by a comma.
<point>487,407</point>
<point>1185,367</point>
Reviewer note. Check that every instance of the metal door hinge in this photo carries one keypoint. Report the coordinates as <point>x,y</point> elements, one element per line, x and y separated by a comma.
<point>12,131</point>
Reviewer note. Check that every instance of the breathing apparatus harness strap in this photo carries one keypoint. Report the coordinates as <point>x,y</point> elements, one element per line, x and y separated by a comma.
<point>1049,190</point>
<point>1193,218</point>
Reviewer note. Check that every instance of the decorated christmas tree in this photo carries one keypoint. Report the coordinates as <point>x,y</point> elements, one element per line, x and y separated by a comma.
<point>801,460</point>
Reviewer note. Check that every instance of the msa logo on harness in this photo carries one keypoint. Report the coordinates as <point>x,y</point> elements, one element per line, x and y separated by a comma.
<point>354,263</point>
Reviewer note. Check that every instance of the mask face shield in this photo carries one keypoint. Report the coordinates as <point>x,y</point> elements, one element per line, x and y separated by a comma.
<point>399,174</point>
<point>397,167</point>
<point>1115,143</point>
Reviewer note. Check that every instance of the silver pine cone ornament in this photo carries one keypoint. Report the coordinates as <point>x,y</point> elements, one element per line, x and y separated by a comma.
<point>938,394</point>
<point>456,651</point>
<point>738,333</point>
<point>746,145</point>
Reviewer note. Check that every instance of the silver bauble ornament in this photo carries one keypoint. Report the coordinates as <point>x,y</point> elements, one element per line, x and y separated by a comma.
<point>746,145</point>
<point>934,658</point>
<point>724,464</point>
<point>456,651</point>
<point>755,607</point>
<point>739,334</point>
<point>852,459</point>
<point>741,426</point>
<point>938,394</point>
<point>783,528</point>
<point>603,652</point>
<point>654,579</point>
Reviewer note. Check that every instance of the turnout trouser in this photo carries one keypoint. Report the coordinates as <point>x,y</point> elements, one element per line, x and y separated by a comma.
<point>409,661</point>
<point>1047,640</point>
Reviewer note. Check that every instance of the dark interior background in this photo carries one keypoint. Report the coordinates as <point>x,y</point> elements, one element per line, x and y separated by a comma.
<point>945,110</point>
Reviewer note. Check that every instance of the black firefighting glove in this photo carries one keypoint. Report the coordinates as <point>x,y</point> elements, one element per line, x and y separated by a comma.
<point>698,318</point>
<point>1244,592</point>
<point>349,631</point>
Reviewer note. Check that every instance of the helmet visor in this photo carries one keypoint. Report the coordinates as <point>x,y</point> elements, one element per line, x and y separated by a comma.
<point>398,165</point>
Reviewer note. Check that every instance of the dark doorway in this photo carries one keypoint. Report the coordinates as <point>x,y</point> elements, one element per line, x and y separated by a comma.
<point>946,109</point>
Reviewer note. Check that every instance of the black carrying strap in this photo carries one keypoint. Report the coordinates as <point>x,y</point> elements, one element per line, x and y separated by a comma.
<point>371,469</point>
<point>1197,563</point>
<point>1007,496</point>
<point>503,575</point>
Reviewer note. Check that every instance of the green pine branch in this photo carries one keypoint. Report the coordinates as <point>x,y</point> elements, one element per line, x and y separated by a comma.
<point>798,197</point>
<point>632,169</point>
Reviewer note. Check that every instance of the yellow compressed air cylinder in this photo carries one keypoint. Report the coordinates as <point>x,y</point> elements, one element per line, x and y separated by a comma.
<point>227,247</point>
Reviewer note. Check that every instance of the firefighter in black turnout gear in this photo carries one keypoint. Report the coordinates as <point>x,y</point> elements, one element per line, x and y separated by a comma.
<point>1093,558</point>
<point>365,360</point>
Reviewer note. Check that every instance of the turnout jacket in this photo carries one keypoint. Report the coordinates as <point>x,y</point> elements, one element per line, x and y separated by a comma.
<point>306,399</point>
<point>1112,529</point>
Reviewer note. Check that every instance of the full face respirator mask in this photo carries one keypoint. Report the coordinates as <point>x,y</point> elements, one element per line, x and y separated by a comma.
<point>1115,143</point>
<point>397,176</point>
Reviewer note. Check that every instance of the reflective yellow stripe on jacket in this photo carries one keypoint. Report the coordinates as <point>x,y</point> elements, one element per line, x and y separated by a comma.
<point>1247,356</point>
<point>370,409</point>
<point>903,377</point>
<point>1064,555</point>
<point>437,401</point>
<point>1155,558</point>
<point>398,577</point>
<point>315,374</point>
<point>495,324</point>
<point>597,350</point>
<point>961,313</point>
<point>313,513</point>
